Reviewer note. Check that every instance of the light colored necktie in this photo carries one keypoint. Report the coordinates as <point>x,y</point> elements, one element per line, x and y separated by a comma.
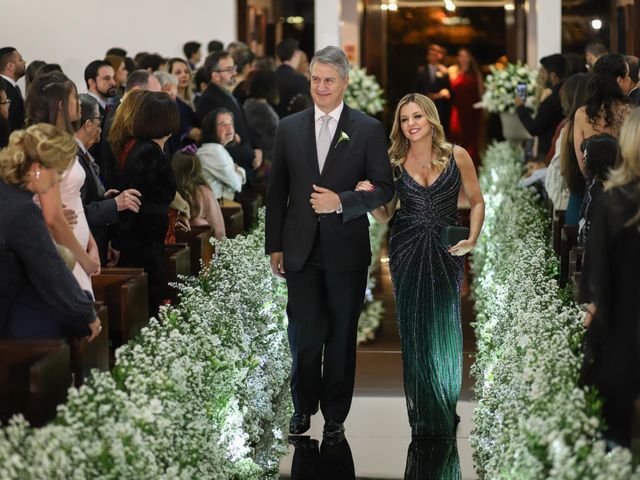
<point>324,141</point>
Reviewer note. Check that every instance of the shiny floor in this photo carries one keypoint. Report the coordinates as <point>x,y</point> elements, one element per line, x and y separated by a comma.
<point>377,431</point>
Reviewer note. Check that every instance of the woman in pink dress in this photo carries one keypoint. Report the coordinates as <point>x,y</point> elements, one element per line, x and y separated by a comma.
<point>467,87</point>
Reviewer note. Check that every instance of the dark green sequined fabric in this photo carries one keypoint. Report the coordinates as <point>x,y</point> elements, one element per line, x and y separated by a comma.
<point>426,282</point>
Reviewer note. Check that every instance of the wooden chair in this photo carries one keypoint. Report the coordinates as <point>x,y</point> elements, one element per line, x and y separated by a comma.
<point>85,355</point>
<point>177,262</point>
<point>568,240</point>
<point>198,240</point>
<point>34,378</point>
<point>251,203</point>
<point>558,223</point>
<point>125,292</point>
<point>233,220</point>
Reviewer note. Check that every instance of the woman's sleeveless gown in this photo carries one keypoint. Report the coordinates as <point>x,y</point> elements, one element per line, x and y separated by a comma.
<point>426,282</point>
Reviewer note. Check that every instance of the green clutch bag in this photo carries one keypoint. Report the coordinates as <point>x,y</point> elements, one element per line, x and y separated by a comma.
<point>452,234</point>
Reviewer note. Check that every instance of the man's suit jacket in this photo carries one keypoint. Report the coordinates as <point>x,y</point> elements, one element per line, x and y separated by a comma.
<point>291,223</point>
<point>16,109</point>
<point>290,83</point>
<point>100,212</point>
<point>426,86</point>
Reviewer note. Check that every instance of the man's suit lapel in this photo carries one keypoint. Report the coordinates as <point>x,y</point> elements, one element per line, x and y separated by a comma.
<point>336,149</point>
<point>308,142</point>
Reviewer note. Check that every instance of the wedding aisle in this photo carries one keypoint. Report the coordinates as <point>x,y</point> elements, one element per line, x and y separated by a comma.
<point>377,429</point>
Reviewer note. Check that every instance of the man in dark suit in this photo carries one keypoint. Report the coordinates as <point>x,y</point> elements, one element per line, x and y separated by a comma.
<point>433,81</point>
<point>634,72</point>
<point>318,239</point>
<point>101,208</point>
<point>290,82</point>
<point>222,73</point>
<point>12,68</point>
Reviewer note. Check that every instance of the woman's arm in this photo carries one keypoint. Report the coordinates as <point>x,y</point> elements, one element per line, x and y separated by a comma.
<point>579,123</point>
<point>51,204</point>
<point>211,211</point>
<point>472,190</point>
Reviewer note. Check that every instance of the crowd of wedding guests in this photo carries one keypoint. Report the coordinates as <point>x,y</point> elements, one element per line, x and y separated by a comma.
<point>106,178</point>
<point>587,137</point>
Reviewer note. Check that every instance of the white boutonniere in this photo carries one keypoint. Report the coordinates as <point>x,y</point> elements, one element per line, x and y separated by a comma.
<point>343,138</point>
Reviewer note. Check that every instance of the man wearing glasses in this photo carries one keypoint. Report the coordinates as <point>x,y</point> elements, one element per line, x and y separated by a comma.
<point>101,85</point>
<point>12,68</point>
<point>222,73</point>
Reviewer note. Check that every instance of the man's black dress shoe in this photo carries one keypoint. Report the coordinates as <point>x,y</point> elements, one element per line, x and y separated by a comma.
<point>333,432</point>
<point>300,423</point>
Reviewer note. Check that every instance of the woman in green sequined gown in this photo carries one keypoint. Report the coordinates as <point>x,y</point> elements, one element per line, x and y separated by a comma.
<point>426,275</point>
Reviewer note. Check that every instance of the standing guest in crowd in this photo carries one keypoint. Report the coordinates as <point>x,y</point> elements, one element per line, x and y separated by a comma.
<point>570,169</point>
<point>303,65</point>
<point>607,106</point>
<point>31,72</point>
<point>120,72</point>
<point>553,70</point>
<point>290,82</point>
<point>612,262</point>
<point>236,45</point>
<point>600,154</point>
<point>179,68</point>
<point>593,52</point>
<point>53,99</point>
<point>575,62</point>
<point>192,54</point>
<point>634,71</point>
<point>39,297</point>
<point>50,67</point>
<point>190,183</point>
<point>117,51</point>
<point>215,46</point>
<point>467,88</point>
<point>262,119</point>
<point>139,237</point>
<point>151,62</point>
<point>555,184</point>
<point>5,128</point>
<point>244,60</point>
<point>222,72</point>
<point>188,132</point>
<point>12,69</point>
<point>99,76</point>
<point>222,174</point>
<point>101,208</point>
<point>201,83</point>
<point>433,81</point>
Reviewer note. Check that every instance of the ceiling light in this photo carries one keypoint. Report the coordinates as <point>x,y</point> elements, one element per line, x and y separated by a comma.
<point>449,5</point>
<point>509,7</point>
<point>393,7</point>
<point>384,6</point>
<point>596,24</point>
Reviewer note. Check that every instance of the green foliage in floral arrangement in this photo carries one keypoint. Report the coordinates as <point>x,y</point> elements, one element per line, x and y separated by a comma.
<point>500,87</point>
<point>533,421</point>
<point>364,92</point>
<point>201,393</point>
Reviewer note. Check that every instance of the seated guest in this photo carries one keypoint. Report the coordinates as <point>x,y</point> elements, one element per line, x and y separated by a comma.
<point>101,208</point>
<point>536,176</point>
<point>554,70</point>
<point>192,186</point>
<point>290,82</point>
<point>610,273</point>
<point>192,54</point>
<point>189,131</point>
<point>139,237</point>
<point>39,296</point>
<point>219,170</point>
<point>600,153</point>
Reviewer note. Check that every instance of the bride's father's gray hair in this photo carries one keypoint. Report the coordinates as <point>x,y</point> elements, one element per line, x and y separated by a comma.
<point>333,56</point>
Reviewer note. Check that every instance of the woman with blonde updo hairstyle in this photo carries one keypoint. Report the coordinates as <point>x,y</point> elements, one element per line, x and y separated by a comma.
<point>426,260</point>
<point>40,296</point>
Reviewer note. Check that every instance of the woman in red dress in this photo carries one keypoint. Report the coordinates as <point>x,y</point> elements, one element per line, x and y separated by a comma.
<point>467,86</point>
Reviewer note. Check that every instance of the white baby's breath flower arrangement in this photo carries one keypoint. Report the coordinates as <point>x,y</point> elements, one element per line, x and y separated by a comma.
<point>364,92</point>
<point>500,87</point>
<point>532,421</point>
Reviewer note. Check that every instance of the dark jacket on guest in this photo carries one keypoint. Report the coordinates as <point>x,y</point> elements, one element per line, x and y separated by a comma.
<point>544,124</point>
<point>16,109</point>
<point>262,121</point>
<point>634,96</point>
<point>30,267</point>
<point>290,83</point>
<point>100,212</point>
<point>428,86</point>
<point>140,236</point>
<point>188,121</point>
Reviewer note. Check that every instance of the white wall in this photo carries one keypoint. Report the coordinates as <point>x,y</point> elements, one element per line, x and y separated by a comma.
<point>75,32</point>
<point>327,23</point>
<point>544,27</point>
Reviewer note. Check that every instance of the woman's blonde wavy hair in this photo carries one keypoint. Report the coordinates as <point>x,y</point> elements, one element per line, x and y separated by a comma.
<point>629,169</point>
<point>40,143</point>
<point>399,143</point>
